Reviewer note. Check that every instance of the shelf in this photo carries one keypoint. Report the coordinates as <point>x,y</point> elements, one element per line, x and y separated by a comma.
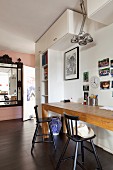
<point>45,80</point>
<point>44,66</point>
<point>45,95</point>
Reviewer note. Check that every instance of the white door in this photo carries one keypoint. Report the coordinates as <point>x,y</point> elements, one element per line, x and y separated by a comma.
<point>28,92</point>
<point>38,91</point>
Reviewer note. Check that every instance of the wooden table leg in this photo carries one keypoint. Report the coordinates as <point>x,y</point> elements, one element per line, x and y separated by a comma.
<point>44,125</point>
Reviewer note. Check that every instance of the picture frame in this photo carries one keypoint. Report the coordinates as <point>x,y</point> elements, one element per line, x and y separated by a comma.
<point>71,64</point>
<point>85,76</point>
<point>103,63</point>
<point>104,72</point>
<point>111,72</point>
<point>104,85</point>
<point>111,84</point>
<point>85,87</point>
<point>86,94</point>
<point>111,63</point>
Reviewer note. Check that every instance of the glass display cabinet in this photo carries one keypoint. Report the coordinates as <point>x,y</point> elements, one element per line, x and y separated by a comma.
<point>10,82</point>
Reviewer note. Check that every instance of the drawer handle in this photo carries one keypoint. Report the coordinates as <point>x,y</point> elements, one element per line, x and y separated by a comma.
<point>54,39</point>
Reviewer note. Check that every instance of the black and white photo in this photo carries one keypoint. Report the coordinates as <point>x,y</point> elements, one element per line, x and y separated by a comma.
<point>71,64</point>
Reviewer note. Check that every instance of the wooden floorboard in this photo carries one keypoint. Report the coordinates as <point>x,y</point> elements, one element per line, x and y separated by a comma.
<point>15,145</point>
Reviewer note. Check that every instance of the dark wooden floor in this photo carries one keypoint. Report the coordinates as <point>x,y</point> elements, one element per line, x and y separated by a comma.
<point>15,145</point>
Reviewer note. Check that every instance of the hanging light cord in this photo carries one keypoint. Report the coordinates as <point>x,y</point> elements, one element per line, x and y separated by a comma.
<point>84,15</point>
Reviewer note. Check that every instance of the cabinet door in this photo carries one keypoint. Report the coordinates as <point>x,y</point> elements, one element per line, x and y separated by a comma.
<point>58,29</point>
<point>41,45</point>
<point>95,5</point>
<point>101,11</point>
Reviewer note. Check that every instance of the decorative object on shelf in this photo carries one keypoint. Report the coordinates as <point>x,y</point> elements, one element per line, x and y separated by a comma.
<point>85,87</point>
<point>6,59</point>
<point>104,85</point>
<point>86,77</point>
<point>94,81</point>
<point>104,72</point>
<point>103,63</point>
<point>82,38</point>
<point>71,64</point>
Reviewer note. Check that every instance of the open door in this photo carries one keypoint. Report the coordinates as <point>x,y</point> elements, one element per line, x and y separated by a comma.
<point>28,92</point>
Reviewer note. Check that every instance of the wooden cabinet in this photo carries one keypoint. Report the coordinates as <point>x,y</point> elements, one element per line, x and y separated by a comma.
<point>58,29</point>
<point>68,23</point>
<point>40,46</point>
<point>100,11</point>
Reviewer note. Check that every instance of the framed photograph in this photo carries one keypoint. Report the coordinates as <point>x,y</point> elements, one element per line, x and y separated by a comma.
<point>86,77</point>
<point>112,93</point>
<point>111,84</point>
<point>104,85</point>
<point>111,72</point>
<point>111,63</point>
<point>71,64</point>
<point>86,94</point>
<point>85,87</point>
<point>104,72</point>
<point>103,63</point>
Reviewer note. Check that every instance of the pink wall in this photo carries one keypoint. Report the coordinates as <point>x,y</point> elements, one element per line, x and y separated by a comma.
<point>26,59</point>
<point>8,113</point>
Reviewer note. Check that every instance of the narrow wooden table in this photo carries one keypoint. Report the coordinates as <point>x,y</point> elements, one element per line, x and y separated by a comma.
<point>90,114</point>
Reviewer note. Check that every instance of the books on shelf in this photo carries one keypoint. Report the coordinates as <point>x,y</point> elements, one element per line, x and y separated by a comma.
<point>45,58</point>
<point>45,73</point>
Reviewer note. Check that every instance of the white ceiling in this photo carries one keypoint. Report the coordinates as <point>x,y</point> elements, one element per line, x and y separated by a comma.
<point>22,22</point>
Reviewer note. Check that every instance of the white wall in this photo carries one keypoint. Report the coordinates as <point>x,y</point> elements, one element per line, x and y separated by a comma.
<point>89,57</point>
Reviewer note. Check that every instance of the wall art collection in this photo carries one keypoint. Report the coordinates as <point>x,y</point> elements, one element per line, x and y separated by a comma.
<point>105,67</point>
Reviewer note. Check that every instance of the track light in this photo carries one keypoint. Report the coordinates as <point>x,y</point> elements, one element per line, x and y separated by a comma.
<point>82,38</point>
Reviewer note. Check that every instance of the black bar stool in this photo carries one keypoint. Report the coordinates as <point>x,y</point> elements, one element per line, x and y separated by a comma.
<point>72,134</point>
<point>39,134</point>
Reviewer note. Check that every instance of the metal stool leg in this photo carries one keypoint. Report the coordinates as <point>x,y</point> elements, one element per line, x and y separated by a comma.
<point>82,151</point>
<point>34,137</point>
<point>75,160</point>
<point>62,154</point>
<point>96,155</point>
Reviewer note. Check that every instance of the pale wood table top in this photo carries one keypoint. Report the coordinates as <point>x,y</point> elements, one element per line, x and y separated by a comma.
<point>89,114</point>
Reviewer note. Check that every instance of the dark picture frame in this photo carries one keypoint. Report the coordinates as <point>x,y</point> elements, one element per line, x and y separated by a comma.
<point>86,94</point>
<point>111,63</point>
<point>85,87</point>
<point>71,64</point>
<point>85,76</point>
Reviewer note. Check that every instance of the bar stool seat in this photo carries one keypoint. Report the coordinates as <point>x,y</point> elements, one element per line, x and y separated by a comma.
<point>72,134</point>
<point>37,132</point>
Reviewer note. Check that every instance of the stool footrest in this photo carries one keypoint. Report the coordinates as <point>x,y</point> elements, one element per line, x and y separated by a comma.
<point>66,158</point>
<point>42,141</point>
<point>43,135</point>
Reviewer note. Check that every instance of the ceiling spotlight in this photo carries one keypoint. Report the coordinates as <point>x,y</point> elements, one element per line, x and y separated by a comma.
<point>82,38</point>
